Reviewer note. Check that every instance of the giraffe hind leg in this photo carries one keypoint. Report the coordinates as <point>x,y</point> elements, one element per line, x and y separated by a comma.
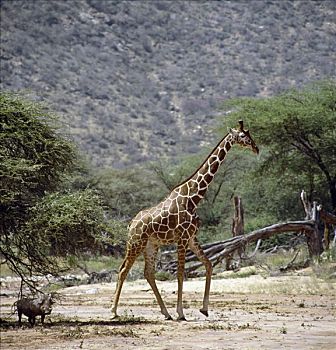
<point>181,252</point>
<point>198,251</point>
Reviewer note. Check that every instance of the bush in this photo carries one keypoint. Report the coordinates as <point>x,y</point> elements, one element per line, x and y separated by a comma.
<point>38,224</point>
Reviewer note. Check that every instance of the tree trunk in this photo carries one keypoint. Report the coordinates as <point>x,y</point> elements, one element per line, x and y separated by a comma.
<point>238,220</point>
<point>332,189</point>
<point>315,237</point>
<point>237,228</point>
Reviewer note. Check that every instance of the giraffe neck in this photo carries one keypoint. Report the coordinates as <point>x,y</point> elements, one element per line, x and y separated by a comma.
<point>195,187</point>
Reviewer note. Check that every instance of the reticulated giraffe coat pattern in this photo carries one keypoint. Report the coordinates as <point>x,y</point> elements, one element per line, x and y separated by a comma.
<point>174,220</point>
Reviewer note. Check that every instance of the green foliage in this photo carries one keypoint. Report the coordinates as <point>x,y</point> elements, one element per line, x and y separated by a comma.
<point>126,191</point>
<point>297,137</point>
<point>97,263</point>
<point>33,157</point>
<point>66,223</point>
<point>38,224</point>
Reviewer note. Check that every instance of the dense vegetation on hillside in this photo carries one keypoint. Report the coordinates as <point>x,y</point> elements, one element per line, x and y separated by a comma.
<point>143,80</point>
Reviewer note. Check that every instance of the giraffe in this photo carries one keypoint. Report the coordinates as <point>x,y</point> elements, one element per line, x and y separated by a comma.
<point>174,220</point>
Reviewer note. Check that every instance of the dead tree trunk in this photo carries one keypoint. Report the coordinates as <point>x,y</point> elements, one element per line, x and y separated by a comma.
<point>238,219</point>
<point>237,228</point>
<point>330,226</point>
<point>324,221</point>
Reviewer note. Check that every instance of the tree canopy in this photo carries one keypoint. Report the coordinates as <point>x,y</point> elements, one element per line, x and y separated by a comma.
<point>33,157</point>
<point>36,222</point>
<point>297,136</point>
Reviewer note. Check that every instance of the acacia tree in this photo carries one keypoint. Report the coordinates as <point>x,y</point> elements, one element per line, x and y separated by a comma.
<point>36,223</point>
<point>297,134</point>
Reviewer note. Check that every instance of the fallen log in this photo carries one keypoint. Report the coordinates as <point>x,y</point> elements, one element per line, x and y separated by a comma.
<point>316,219</point>
<point>328,218</point>
<point>217,251</point>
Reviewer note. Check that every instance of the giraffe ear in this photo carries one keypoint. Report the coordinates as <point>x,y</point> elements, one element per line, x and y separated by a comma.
<point>241,125</point>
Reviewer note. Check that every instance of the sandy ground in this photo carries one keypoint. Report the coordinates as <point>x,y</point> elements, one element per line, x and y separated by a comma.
<point>284,312</point>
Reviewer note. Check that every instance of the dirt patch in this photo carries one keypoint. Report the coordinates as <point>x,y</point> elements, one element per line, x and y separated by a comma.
<point>284,312</point>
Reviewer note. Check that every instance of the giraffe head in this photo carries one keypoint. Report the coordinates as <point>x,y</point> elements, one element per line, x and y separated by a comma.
<point>243,137</point>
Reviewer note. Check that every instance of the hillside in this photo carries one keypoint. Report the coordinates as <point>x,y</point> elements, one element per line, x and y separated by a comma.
<point>141,80</point>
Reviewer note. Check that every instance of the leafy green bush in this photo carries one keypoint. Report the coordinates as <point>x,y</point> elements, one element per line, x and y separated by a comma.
<point>66,223</point>
<point>37,224</point>
<point>33,156</point>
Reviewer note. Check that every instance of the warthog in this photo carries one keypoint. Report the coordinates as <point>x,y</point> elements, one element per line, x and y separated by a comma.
<point>34,307</point>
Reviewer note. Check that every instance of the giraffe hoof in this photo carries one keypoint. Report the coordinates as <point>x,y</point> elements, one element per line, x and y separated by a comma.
<point>168,318</point>
<point>205,312</point>
<point>182,318</point>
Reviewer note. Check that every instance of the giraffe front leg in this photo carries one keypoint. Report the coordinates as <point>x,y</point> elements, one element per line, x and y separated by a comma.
<point>123,271</point>
<point>181,252</point>
<point>198,251</point>
<point>150,257</point>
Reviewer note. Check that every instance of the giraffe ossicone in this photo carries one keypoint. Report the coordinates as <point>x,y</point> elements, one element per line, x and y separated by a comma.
<point>174,220</point>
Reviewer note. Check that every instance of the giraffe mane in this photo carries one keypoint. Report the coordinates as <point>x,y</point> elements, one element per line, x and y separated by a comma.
<point>196,171</point>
